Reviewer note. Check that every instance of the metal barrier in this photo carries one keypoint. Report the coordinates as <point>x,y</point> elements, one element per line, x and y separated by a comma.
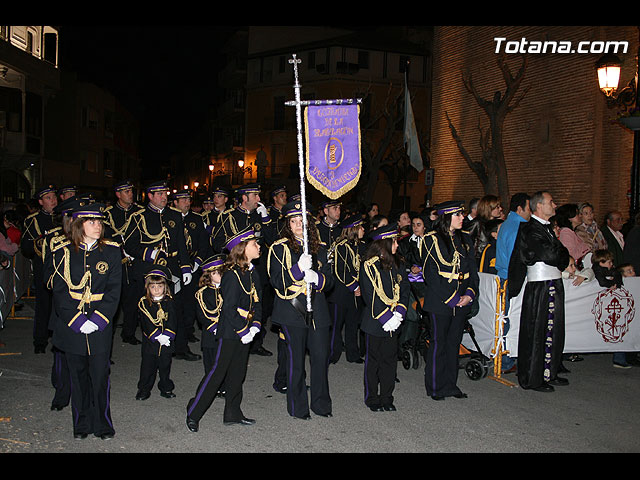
<point>15,283</point>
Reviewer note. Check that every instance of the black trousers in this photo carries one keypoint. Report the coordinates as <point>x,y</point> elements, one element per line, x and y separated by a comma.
<point>280,376</point>
<point>60,379</point>
<point>316,341</point>
<point>441,358</point>
<point>90,393</point>
<point>380,368</point>
<point>42,310</point>
<point>152,366</point>
<point>230,367</point>
<point>345,316</point>
<point>129,302</point>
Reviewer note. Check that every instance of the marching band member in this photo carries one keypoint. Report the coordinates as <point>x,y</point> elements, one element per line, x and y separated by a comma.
<point>158,322</point>
<point>290,270</point>
<point>36,226</point>
<point>85,277</point>
<point>451,275</point>
<point>239,322</point>
<point>209,306</point>
<point>385,293</point>
<point>348,251</point>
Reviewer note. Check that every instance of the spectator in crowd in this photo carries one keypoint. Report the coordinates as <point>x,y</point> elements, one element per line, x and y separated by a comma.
<point>588,229</point>
<point>372,211</point>
<point>489,208</point>
<point>567,219</point>
<point>613,235</point>
<point>7,248</point>
<point>10,220</point>
<point>578,276</point>
<point>429,215</point>
<point>471,213</point>
<point>487,261</point>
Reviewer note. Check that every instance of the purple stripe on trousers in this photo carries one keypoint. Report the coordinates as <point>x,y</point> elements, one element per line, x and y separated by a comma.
<point>287,338</point>
<point>435,347</point>
<point>204,385</point>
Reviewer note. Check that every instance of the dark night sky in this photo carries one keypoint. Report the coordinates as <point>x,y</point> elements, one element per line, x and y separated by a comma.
<point>165,75</point>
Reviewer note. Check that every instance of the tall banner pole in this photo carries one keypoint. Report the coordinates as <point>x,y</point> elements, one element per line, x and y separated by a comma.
<point>303,195</point>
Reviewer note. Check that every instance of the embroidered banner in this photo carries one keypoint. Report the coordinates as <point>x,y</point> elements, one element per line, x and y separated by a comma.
<point>333,148</point>
<point>596,319</point>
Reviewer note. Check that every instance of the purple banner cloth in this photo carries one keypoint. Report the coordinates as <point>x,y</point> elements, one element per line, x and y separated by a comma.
<point>333,148</point>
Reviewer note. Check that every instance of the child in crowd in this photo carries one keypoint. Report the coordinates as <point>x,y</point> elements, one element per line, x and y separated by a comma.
<point>158,322</point>
<point>604,271</point>
<point>487,261</point>
<point>578,276</point>
<point>626,270</point>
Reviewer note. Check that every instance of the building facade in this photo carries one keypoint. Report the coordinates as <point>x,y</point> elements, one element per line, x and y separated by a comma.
<point>561,136</point>
<point>29,77</point>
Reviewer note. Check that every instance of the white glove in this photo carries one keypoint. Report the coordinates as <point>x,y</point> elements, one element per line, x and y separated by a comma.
<point>304,263</point>
<point>392,324</point>
<point>254,331</point>
<point>88,327</point>
<point>398,316</point>
<point>195,267</point>
<point>163,340</point>
<point>311,277</point>
<point>248,338</point>
<point>186,278</point>
<point>262,210</point>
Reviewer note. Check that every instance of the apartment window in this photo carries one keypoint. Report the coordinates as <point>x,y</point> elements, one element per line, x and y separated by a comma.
<point>29,42</point>
<point>50,48</point>
<point>89,117</point>
<point>89,161</point>
<point>363,59</point>
<point>108,124</point>
<point>11,105</point>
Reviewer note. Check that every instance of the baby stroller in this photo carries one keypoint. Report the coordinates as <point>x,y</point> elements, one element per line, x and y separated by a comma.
<point>415,344</point>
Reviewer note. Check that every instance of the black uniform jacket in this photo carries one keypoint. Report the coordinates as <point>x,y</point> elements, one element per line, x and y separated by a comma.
<point>534,243</point>
<point>151,229</point>
<point>234,220</point>
<point>242,306</point>
<point>157,318</point>
<point>449,273</point>
<point>116,221</point>
<point>209,307</point>
<point>288,283</point>
<point>346,270</point>
<point>383,293</point>
<point>196,238</point>
<point>86,285</point>
<point>36,227</point>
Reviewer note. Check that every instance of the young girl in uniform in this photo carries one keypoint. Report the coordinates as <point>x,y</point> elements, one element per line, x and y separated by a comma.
<point>209,307</point>
<point>385,292</point>
<point>158,322</point>
<point>238,323</point>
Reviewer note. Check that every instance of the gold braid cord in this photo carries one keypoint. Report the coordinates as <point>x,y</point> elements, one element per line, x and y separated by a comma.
<point>454,264</point>
<point>85,281</point>
<point>345,258</point>
<point>374,276</point>
<point>209,313</point>
<point>299,286</point>
<point>159,319</point>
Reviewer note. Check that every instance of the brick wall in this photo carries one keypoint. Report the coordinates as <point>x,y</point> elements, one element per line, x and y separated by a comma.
<point>559,138</point>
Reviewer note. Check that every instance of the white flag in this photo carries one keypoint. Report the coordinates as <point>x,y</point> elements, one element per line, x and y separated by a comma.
<point>410,133</point>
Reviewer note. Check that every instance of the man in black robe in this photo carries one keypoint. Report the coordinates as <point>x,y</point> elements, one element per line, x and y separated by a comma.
<point>540,258</point>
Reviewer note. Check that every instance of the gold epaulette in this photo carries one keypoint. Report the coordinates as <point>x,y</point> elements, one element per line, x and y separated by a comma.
<point>32,215</point>
<point>108,208</point>
<point>279,241</point>
<point>58,242</point>
<point>112,243</point>
<point>175,209</point>
<point>465,231</point>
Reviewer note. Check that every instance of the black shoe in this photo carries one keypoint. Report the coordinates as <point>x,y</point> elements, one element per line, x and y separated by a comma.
<point>437,397</point>
<point>192,425</point>
<point>263,352</point>
<point>188,356</point>
<point>280,389</point>
<point>358,360</point>
<point>575,358</point>
<point>460,395</point>
<point>545,387</point>
<point>167,394</point>
<point>326,415</point>
<point>376,408</point>
<point>131,340</point>
<point>559,381</point>
<point>389,408</point>
<point>57,408</point>
<point>80,436</point>
<point>39,349</point>
<point>304,417</point>
<point>242,421</point>
<point>107,436</point>
<point>220,394</point>
<point>143,395</point>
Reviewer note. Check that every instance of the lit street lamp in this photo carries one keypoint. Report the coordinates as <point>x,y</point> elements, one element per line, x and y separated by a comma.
<point>626,101</point>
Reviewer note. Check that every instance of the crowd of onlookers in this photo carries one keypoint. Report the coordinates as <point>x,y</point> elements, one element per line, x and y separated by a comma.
<point>11,228</point>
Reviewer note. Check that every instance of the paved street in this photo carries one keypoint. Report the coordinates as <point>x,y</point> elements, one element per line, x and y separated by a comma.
<point>597,412</point>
